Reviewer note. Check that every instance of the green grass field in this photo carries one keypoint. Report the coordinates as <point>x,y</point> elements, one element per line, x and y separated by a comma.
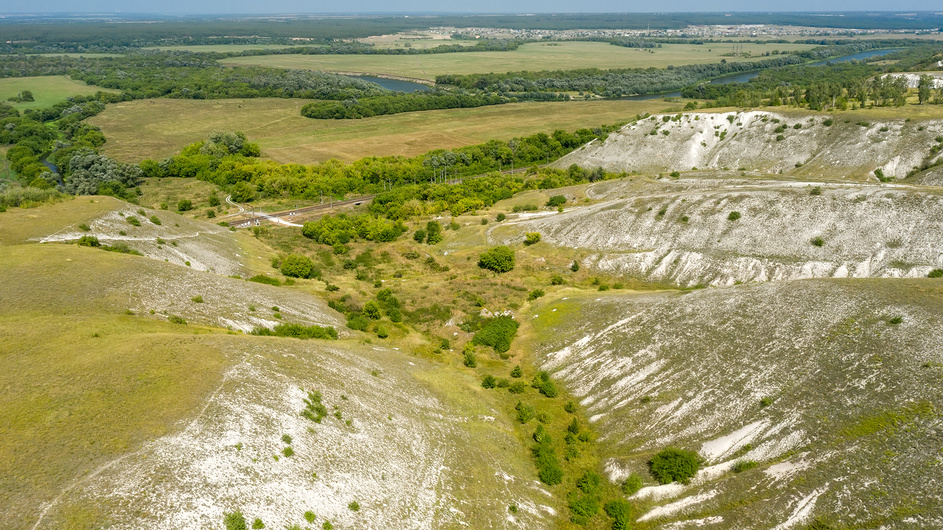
<point>47,90</point>
<point>532,56</point>
<point>157,128</point>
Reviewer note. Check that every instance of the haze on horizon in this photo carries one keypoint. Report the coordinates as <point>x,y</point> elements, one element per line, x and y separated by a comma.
<point>246,7</point>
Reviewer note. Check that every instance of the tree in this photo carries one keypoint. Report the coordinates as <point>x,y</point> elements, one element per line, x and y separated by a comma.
<point>674,464</point>
<point>497,259</point>
<point>372,310</point>
<point>433,232</point>
<point>298,266</point>
<point>89,171</point>
<point>923,88</point>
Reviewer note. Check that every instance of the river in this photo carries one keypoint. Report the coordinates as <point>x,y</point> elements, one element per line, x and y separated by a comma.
<point>395,85</point>
<point>743,77</point>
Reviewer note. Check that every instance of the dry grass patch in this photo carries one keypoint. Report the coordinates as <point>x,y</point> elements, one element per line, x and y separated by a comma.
<point>155,128</point>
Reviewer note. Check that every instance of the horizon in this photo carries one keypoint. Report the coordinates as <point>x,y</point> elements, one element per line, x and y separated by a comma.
<point>112,8</point>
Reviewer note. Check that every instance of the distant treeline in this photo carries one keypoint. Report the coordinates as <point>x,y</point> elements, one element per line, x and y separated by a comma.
<point>64,34</point>
<point>247,177</point>
<point>189,76</point>
<point>360,48</point>
<point>852,83</point>
<point>630,81</point>
<point>393,104</point>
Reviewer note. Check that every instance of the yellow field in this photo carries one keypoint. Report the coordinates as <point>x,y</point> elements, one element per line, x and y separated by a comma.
<point>47,90</point>
<point>532,56</point>
<point>419,40</point>
<point>157,128</point>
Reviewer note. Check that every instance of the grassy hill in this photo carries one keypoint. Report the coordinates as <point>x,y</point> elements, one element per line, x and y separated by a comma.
<point>829,386</point>
<point>115,415</point>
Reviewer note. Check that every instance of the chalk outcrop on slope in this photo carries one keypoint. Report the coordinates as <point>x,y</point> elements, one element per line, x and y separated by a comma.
<point>681,232</point>
<point>764,141</point>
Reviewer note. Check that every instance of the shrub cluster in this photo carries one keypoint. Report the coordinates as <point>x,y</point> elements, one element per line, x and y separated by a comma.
<point>497,333</point>
<point>297,331</point>
<point>314,410</point>
<point>673,464</point>
<point>497,259</point>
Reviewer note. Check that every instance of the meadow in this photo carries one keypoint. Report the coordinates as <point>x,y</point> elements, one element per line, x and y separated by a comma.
<point>47,90</point>
<point>156,128</point>
<point>532,56</point>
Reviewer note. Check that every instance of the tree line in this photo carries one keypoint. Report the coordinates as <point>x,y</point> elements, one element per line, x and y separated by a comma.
<point>630,81</point>
<point>841,85</point>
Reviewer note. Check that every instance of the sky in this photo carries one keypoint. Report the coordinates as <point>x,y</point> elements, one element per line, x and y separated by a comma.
<point>235,7</point>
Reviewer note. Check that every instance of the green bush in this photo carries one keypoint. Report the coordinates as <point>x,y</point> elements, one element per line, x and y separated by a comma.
<point>419,235</point>
<point>488,381</point>
<point>531,238</point>
<point>297,331</point>
<point>354,506</point>
<point>620,510</point>
<point>544,384</point>
<point>817,241</point>
<point>433,233</point>
<point>133,221</point>
<point>673,464</point>
<point>497,259</point>
<point>184,205</point>
<point>816,190</point>
<point>500,217</point>
<point>288,451</point>
<point>309,516</point>
<point>583,508</point>
<point>517,387</point>
<point>556,200</point>
<point>632,484</point>
<point>497,333</point>
<point>234,521</point>
<point>268,280</point>
<point>314,410</point>
<point>517,371</point>
<point>556,279</point>
<point>210,213</point>
<point>469,359</point>
<point>92,241</point>
<point>733,216</point>
<point>548,467</point>
<point>258,524</point>
<point>935,273</point>
<point>570,406</point>
<point>743,465</point>
<point>574,426</point>
<point>213,200</point>
<point>589,483</point>
<point>525,412</point>
<point>298,266</point>
<point>535,294</point>
<point>575,266</point>
<point>174,319</point>
<point>371,310</point>
<point>357,322</point>
<point>383,332</point>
